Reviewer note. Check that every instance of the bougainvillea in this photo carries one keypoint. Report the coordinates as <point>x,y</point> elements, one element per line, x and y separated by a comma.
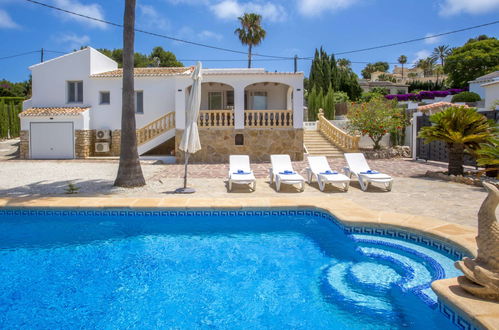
<point>375,119</point>
<point>423,95</point>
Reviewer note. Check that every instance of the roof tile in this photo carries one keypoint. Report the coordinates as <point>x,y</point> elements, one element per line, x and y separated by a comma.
<point>146,72</point>
<point>45,112</point>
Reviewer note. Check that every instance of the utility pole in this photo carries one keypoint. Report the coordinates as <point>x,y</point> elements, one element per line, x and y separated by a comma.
<point>41,55</point>
<point>296,63</point>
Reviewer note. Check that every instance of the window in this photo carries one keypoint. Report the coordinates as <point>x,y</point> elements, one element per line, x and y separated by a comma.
<point>215,100</point>
<point>139,101</point>
<point>75,91</point>
<point>105,98</point>
<point>259,100</point>
<point>229,96</point>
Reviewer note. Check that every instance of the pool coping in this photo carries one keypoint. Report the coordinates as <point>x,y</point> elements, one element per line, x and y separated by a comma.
<point>347,212</point>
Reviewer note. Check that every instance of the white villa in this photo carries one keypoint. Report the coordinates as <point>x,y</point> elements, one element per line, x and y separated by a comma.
<point>75,110</point>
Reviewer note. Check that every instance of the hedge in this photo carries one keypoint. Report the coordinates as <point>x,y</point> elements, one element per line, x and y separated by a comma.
<point>10,124</point>
<point>466,97</point>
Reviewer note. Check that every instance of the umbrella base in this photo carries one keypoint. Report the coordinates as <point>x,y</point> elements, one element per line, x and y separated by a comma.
<point>185,190</point>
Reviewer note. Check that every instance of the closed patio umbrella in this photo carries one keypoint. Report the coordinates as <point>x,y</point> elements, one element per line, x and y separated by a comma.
<point>190,139</point>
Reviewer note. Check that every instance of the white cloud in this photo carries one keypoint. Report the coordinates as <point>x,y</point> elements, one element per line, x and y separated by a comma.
<point>317,7</point>
<point>189,2</point>
<point>474,7</point>
<point>231,9</point>
<point>150,18</point>
<point>432,41</point>
<point>205,34</point>
<point>422,54</point>
<point>92,10</point>
<point>6,21</point>
<point>73,41</point>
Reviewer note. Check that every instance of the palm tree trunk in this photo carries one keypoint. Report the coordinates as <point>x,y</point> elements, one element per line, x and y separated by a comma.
<point>402,72</point>
<point>249,56</point>
<point>129,171</point>
<point>456,153</point>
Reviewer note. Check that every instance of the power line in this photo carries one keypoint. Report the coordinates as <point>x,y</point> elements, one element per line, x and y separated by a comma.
<point>17,55</point>
<point>152,33</point>
<point>417,39</point>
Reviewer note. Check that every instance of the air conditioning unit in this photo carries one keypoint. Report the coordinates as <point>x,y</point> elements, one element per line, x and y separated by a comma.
<point>103,134</point>
<point>102,147</point>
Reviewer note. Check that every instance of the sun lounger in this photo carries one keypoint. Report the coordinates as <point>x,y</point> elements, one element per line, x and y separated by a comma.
<point>319,167</point>
<point>358,166</point>
<point>282,172</point>
<point>240,171</point>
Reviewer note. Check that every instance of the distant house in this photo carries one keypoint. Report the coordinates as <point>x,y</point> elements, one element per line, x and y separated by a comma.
<point>410,75</point>
<point>75,110</point>
<point>491,93</point>
<point>393,88</point>
<point>477,85</point>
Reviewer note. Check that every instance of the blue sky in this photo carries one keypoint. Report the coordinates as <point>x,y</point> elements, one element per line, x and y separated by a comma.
<point>293,27</point>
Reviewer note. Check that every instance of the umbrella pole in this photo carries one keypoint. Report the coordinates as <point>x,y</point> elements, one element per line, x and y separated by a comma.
<point>185,168</point>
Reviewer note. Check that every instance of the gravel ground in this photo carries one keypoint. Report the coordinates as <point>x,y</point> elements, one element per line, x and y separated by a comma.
<point>412,193</point>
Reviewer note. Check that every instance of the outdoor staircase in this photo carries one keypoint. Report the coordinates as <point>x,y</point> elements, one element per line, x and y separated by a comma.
<point>317,145</point>
<point>156,132</point>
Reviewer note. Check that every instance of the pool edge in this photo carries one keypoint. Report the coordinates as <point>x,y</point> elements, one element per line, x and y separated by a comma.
<point>346,211</point>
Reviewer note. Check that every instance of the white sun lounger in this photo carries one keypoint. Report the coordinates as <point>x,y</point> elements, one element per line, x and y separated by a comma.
<point>319,167</point>
<point>358,166</point>
<point>282,172</point>
<point>240,171</point>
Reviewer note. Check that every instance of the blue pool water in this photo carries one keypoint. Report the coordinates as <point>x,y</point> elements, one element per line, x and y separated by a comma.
<point>206,269</point>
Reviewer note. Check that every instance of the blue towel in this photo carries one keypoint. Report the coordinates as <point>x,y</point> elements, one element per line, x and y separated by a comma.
<point>287,172</point>
<point>329,172</point>
<point>370,172</point>
<point>241,172</point>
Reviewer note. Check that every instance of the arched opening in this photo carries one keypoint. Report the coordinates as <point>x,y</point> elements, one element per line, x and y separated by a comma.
<point>217,104</point>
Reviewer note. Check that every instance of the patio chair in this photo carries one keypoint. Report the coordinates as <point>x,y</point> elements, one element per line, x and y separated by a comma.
<point>240,171</point>
<point>282,172</point>
<point>319,167</point>
<point>358,166</point>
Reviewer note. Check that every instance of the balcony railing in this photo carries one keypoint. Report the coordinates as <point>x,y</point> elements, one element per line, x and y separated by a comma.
<point>216,118</point>
<point>155,128</point>
<point>268,118</point>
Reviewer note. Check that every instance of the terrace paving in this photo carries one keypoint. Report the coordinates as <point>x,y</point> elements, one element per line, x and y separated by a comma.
<point>412,192</point>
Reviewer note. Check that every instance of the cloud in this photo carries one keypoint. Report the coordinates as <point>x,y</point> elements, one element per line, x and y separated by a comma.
<point>73,41</point>
<point>150,18</point>
<point>432,41</point>
<point>93,10</point>
<point>317,7</point>
<point>422,54</point>
<point>205,34</point>
<point>474,7</point>
<point>231,9</point>
<point>6,21</point>
<point>189,2</point>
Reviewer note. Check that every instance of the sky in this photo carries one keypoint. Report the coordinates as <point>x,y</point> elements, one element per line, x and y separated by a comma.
<point>294,27</point>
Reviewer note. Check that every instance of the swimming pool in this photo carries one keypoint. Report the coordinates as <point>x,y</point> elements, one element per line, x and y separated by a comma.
<point>214,269</point>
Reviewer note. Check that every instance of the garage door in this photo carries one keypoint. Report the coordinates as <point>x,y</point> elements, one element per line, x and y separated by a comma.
<point>51,140</point>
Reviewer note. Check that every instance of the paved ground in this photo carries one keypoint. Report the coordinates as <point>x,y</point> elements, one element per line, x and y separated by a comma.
<point>412,193</point>
<point>9,149</point>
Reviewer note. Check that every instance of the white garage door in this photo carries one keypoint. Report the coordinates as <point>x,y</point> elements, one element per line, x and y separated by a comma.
<point>51,140</point>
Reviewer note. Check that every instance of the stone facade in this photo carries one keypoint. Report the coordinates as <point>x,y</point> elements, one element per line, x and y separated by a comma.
<point>259,144</point>
<point>115,142</point>
<point>24,145</point>
<point>84,143</point>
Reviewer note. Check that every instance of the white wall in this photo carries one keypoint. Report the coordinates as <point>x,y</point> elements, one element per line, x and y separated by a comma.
<point>477,88</point>
<point>100,62</point>
<point>491,95</point>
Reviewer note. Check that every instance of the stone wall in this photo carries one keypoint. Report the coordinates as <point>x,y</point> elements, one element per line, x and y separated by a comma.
<point>115,142</point>
<point>24,145</point>
<point>259,144</point>
<point>84,143</point>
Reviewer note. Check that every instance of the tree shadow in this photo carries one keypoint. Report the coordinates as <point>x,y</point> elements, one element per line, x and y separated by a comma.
<point>58,188</point>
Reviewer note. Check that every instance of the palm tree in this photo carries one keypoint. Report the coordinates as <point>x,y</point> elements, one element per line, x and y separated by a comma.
<point>440,53</point>
<point>129,171</point>
<point>251,32</point>
<point>462,129</point>
<point>344,63</point>
<point>425,64</point>
<point>402,60</point>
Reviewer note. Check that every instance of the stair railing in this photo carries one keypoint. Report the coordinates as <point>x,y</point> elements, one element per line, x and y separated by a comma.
<point>155,128</point>
<point>336,135</point>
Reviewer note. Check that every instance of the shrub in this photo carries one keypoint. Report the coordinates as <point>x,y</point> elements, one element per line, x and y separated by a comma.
<point>375,118</point>
<point>368,96</point>
<point>466,97</point>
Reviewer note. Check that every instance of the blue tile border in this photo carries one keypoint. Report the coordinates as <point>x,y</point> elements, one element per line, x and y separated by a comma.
<point>454,317</point>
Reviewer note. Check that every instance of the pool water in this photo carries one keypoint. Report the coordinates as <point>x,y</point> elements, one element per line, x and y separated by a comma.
<point>206,269</point>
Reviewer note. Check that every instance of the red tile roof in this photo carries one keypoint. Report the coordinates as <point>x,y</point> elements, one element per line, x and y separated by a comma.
<point>46,112</point>
<point>147,72</point>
